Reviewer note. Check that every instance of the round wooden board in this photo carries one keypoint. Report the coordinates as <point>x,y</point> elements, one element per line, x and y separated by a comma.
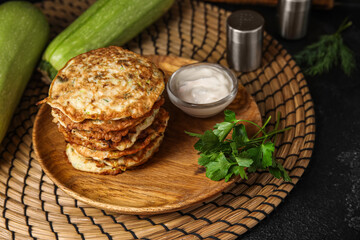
<point>171,180</point>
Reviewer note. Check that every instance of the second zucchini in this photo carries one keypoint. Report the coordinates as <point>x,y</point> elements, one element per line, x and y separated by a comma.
<point>105,23</point>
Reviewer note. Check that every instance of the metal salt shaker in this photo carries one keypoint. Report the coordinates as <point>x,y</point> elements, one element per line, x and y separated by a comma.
<point>293,18</point>
<point>244,40</point>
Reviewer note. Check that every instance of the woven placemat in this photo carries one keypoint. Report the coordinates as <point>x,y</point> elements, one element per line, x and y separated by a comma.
<point>31,206</point>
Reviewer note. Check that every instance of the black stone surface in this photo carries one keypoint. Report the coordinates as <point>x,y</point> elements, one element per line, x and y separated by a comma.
<point>325,203</point>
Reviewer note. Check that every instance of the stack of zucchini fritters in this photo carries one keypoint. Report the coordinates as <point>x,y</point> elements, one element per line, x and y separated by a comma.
<point>107,103</point>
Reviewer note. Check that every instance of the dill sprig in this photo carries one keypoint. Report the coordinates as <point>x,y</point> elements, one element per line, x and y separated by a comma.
<point>328,52</point>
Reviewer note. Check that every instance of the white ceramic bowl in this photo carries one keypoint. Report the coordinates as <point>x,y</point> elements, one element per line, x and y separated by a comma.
<point>203,110</point>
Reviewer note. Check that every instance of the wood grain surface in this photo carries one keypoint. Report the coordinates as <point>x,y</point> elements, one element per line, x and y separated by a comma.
<point>171,180</point>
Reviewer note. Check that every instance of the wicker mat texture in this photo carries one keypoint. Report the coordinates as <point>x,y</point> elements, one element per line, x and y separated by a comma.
<point>31,206</point>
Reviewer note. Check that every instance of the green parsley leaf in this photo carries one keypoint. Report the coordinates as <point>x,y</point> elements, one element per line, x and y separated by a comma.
<point>206,158</point>
<point>236,170</point>
<point>218,169</point>
<point>208,142</point>
<point>194,134</point>
<point>239,135</point>
<point>284,174</point>
<point>242,173</point>
<point>234,148</point>
<point>255,154</point>
<point>228,176</point>
<point>225,157</point>
<point>230,116</point>
<point>223,129</point>
<point>275,172</point>
<point>244,161</point>
<point>267,150</point>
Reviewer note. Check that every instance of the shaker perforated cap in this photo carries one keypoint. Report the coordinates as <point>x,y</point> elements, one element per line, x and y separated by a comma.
<point>244,40</point>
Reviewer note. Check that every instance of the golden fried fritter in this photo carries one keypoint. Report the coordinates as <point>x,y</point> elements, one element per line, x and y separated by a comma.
<point>104,126</point>
<point>113,166</point>
<point>139,132</point>
<point>106,84</point>
<point>156,129</point>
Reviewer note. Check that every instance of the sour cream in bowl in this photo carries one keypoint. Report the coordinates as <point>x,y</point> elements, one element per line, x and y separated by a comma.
<point>202,89</point>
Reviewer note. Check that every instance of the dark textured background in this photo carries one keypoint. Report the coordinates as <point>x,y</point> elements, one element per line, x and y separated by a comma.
<point>325,204</point>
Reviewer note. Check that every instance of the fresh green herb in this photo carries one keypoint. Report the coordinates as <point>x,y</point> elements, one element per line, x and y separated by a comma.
<point>224,157</point>
<point>328,52</point>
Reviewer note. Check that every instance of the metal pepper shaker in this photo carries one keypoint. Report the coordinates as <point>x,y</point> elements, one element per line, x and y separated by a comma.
<point>244,40</point>
<point>293,18</point>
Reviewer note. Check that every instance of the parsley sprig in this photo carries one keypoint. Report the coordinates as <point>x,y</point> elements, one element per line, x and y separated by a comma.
<point>224,157</point>
<point>328,52</point>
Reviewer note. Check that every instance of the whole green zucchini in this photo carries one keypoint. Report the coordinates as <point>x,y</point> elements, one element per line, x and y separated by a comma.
<point>23,34</point>
<point>105,23</point>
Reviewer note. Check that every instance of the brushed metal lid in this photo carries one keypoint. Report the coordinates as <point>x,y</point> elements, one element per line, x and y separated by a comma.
<point>244,40</point>
<point>245,25</point>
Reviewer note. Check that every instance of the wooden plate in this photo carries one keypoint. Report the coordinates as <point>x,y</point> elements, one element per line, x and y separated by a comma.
<point>171,180</point>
